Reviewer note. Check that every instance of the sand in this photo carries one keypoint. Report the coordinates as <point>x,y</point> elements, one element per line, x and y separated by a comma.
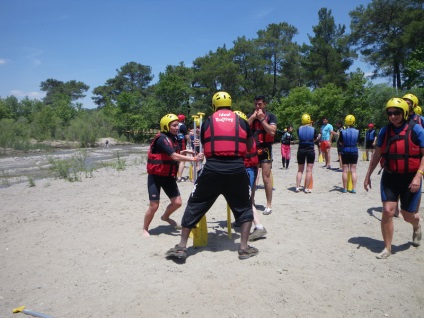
<point>75,250</point>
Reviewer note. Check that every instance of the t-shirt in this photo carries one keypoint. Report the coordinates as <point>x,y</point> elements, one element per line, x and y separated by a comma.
<point>326,132</point>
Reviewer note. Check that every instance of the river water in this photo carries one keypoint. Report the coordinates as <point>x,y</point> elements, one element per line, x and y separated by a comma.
<point>21,168</point>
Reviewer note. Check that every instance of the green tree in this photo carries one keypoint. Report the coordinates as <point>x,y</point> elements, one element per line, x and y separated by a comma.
<point>414,69</point>
<point>275,45</point>
<point>174,89</point>
<point>328,57</point>
<point>132,77</point>
<point>72,89</point>
<point>387,32</point>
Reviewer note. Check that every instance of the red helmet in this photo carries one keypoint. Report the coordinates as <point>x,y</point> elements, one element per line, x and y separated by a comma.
<point>370,125</point>
<point>181,117</point>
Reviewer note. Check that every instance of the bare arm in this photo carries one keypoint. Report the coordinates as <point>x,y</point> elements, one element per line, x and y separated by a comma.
<point>375,159</point>
<point>178,157</point>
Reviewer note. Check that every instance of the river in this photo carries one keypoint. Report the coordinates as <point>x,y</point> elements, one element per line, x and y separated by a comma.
<point>34,166</point>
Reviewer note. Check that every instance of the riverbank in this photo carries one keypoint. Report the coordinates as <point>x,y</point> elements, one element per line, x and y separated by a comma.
<point>75,250</point>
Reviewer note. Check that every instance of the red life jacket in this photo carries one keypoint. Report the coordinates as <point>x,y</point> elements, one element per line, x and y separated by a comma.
<point>260,133</point>
<point>225,136</point>
<point>160,163</point>
<point>252,159</point>
<point>399,153</point>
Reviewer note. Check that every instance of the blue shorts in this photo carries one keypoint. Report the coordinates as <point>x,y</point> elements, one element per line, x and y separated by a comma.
<point>253,174</point>
<point>394,186</point>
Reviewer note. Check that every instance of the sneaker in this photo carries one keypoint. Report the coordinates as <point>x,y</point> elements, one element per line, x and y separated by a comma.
<point>384,254</point>
<point>267,211</point>
<point>177,252</point>
<point>308,191</point>
<point>249,252</point>
<point>256,234</point>
<point>416,236</point>
<point>352,191</point>
<point>344,191</point>
<point>297,189</point>
<point>329,167</point>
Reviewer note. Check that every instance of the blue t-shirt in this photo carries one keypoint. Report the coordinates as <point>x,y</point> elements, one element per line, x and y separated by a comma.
<point>326,132</point>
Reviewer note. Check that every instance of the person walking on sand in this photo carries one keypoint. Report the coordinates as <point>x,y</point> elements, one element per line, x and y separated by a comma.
<point>348,142</point>
<point>370,141</point>
<point>308,135</point>
<point>327,133</point>
<point>286,141</point>
<point>162,167</point>
<point>251,162</point>
<point>264,127</point>
<point>226,139</point>
<point>400,145</point>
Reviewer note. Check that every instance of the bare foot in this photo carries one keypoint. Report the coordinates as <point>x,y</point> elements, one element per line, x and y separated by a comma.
<point>171,222</point>
<point>145,233</point>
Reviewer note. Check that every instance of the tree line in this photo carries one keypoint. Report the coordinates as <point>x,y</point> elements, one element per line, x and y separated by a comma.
<point>297,78</point>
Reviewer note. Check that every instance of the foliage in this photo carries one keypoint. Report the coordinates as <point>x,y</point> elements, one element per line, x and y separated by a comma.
<point>387,32</point>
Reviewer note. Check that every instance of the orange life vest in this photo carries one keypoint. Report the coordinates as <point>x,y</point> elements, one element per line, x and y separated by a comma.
<point>260,133</point>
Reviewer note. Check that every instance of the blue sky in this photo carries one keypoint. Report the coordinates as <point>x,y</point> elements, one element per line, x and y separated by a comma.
<point>88,40</point>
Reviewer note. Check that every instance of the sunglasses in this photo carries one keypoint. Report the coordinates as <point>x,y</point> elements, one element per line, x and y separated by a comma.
<point>396,113</point>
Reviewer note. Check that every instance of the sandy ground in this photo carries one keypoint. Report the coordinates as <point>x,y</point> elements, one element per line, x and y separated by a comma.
<point>75,250</point>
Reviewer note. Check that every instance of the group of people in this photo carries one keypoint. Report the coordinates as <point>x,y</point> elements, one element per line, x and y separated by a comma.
<point>398,148</point>
<point>234,144</point>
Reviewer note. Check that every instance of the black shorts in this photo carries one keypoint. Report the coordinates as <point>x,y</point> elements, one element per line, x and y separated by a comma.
<point>394,186</point>
<point>209,186</point>
<point>168,184</point>
<point>368,144</point>
<point>307,155</point>
<point>265,154</point>
<point>349,158</point>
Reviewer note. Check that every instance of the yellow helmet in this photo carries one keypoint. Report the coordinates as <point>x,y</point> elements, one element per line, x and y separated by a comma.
<point>165,121</point>
<point>221,99</point>
<point>418,110</point>
<point>412,98</point>
<point>350,120</point>
<point>241,114</point>
<point>399,103</point>
<point>306,119</point>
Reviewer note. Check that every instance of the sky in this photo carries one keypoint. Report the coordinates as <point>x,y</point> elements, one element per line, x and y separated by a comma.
<point>88,40</point>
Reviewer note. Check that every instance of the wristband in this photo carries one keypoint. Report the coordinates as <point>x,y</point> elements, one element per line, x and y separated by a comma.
<point>422,173</point>
<point>261,120</point>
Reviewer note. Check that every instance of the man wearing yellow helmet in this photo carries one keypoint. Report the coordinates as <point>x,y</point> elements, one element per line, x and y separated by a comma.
<point>400,147</point>
<point>162,166</point>
<point>412,102</point>
<point>348,140</point>
<point>226,139</point>
<point>264,126</point>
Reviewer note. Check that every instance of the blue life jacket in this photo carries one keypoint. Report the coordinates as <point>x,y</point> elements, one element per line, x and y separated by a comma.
<point>350,140</point>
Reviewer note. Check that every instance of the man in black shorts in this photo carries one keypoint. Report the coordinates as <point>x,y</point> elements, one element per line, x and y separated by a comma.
<point>370,141</point>
<point>226,139</point>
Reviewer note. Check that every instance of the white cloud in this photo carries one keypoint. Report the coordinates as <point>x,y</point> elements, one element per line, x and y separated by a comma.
<point>34,56</point>
<point>3,61</point>
<point>31,95</point>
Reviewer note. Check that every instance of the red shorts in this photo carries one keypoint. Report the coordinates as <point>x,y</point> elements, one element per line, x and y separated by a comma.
<point>325,145</point>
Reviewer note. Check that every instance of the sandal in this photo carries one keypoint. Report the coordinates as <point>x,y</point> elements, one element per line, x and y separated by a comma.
<point>177,252</point>
<point>248,252</point>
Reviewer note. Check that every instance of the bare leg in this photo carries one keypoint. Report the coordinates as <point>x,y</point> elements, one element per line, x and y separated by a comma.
<point>354,175</point>
<point>266,176</point>
<point>171,208</point>
<point>148,217</point>
<point>245,232</point>
<point>308,175</point>
<point>344,176</point>
<point>300,168</point>
<point>387,227</point>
